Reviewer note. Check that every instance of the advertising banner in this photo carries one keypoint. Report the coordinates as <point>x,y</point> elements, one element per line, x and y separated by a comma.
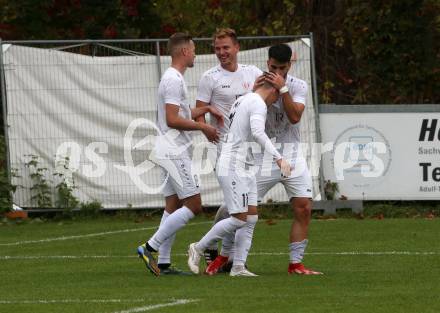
<point>382,156</point>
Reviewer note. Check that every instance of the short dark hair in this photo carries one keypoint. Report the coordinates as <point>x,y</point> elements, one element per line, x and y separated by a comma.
<point>176,40</point>
<point>280,52</point>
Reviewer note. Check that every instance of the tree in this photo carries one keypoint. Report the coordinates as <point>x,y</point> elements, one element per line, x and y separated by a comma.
<point>394,47</point>
<point>76,19</point>
<point>366,51</point>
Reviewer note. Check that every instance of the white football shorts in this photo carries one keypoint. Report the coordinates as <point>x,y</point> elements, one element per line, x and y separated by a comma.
<point>239,191</point>
<point>180,178</point>
<point>297,185</point>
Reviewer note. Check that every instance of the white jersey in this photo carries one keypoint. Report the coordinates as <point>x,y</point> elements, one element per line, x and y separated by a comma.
<point>220,88</point>
<point>172,90</point>
<point>246,124</point>
<point>278,126</point>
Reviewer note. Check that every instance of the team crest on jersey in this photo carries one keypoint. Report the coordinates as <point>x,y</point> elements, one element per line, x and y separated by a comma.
<point>246,85</point>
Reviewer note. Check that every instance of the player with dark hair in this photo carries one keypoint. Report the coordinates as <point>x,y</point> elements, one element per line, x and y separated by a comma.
<point>283,124</point>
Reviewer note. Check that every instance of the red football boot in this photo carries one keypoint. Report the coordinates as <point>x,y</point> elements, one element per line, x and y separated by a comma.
<point>298,268</point>
<point>215,265</point>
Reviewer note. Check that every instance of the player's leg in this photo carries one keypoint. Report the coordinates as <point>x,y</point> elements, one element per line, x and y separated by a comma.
<point>299,190</point>
<point>233,187</point>
<point>226,254</point>
<point>214,260</point>
<point>221,213</point>
<point>242,244</point>
<point>299,229</point>
<point>298,236</point>
<point>265,182</point>
<point>149,256</point>
<point>187,189</point>
<point>212,252</point>
<point>172,203</point>
<point>244,235</point>
<point>217,232</point>
<point>191,206</point>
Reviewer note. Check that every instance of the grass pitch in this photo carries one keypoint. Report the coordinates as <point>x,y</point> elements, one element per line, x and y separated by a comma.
<point>390,265</point>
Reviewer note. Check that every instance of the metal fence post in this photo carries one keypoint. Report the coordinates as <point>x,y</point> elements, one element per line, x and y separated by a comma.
<point>316,103</point>
<point>5,112</point>
<point>159,67</point>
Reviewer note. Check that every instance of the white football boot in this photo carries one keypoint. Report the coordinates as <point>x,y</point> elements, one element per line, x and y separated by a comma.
<point>241,271</point>
<point>194,257</point>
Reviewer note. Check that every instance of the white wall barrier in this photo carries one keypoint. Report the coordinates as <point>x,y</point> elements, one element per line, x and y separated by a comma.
<point>100,110</point>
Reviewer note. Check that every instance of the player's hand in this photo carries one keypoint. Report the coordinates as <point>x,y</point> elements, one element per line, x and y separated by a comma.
<point>285,168</point>
<point>276,80</point>
<point>211,133</point>
<point>258,82</point>
<point>217,115</point>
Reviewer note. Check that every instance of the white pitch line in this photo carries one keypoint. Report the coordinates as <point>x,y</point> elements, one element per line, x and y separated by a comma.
<point>344,253</point>
<point>158,306</point>
<point>133,310</point>
<point>17,243</point>
<point>40,257</point>
<point>44,301</point>
<point>377,253</point>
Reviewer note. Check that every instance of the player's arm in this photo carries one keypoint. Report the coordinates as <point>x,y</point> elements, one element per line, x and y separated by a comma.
<point>174,120</point>
<point>204,95</point>
<point>258,122</point>
<point>203,106</point>
<point>198,113</point>
<point>259,78</point>
<point>258,82</point>
<point>294,110</point>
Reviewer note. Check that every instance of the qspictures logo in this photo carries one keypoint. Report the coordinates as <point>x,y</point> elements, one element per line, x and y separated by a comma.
<point>362,156</point>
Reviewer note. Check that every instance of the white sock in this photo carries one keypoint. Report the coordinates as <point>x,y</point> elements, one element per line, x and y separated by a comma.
<point>228,245</point>
<point>165,247</point>
<point>221,214</point>
<point>218,231</point>
<point>296,251</point>
<point>172,224</point>
<point>243,240</point>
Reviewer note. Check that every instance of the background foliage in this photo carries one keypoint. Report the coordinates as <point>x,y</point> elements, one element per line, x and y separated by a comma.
<point>366,51</point>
